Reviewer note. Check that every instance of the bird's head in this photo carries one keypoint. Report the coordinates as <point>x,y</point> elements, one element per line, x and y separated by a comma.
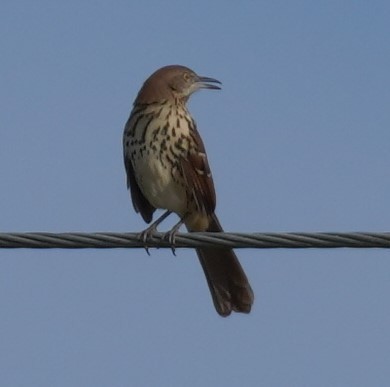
<point>174,81</point>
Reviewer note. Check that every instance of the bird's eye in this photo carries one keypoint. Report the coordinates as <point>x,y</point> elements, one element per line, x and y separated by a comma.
<point>186,77</point>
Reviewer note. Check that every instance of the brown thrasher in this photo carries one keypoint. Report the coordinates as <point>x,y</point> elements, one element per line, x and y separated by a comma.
<point>167,168</point>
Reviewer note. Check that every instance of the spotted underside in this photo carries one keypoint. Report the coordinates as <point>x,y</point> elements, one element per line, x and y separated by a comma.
<point>162,144</point>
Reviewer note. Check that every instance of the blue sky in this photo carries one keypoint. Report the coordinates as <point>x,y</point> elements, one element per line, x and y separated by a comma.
<point>297,140</point>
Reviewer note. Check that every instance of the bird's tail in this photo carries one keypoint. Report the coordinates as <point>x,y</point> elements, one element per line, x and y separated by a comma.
<point>229,286</point>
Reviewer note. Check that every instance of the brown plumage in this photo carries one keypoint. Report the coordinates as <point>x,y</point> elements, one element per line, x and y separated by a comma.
<point>167,168</point>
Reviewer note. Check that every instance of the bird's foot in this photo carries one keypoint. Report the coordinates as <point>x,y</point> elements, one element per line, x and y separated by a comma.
<point>147,234</point>
<point>170,236</point>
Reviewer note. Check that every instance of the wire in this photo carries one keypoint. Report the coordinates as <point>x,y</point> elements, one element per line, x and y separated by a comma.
<point>109,240</point>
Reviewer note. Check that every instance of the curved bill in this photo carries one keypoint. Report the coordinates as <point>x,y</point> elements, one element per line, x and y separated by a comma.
<point>207,83</point>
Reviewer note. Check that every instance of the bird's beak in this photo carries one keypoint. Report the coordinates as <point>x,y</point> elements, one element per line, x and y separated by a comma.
<point>207,83</point>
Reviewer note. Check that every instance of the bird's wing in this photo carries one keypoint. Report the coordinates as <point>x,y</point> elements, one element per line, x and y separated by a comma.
<point>140,203</point>
<point>197,174</point>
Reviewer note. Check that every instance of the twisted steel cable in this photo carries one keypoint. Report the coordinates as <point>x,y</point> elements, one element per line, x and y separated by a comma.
<point>108,240</point>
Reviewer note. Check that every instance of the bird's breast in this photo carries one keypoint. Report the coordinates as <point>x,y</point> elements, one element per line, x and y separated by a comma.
<point>158,143</point>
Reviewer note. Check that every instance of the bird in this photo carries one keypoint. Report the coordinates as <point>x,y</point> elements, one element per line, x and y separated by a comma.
<point>167,168</point>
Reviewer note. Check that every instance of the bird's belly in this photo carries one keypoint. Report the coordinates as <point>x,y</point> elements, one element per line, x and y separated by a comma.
<point>158,185</point>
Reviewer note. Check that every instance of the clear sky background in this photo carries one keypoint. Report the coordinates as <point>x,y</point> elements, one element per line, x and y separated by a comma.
<point>298,140</point>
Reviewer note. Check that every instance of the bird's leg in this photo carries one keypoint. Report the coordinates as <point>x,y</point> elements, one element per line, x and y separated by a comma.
<point>147,233</point>
<point>170,236</point>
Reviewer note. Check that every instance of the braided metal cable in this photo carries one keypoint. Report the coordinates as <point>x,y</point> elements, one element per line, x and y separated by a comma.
<point>105,240</point>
